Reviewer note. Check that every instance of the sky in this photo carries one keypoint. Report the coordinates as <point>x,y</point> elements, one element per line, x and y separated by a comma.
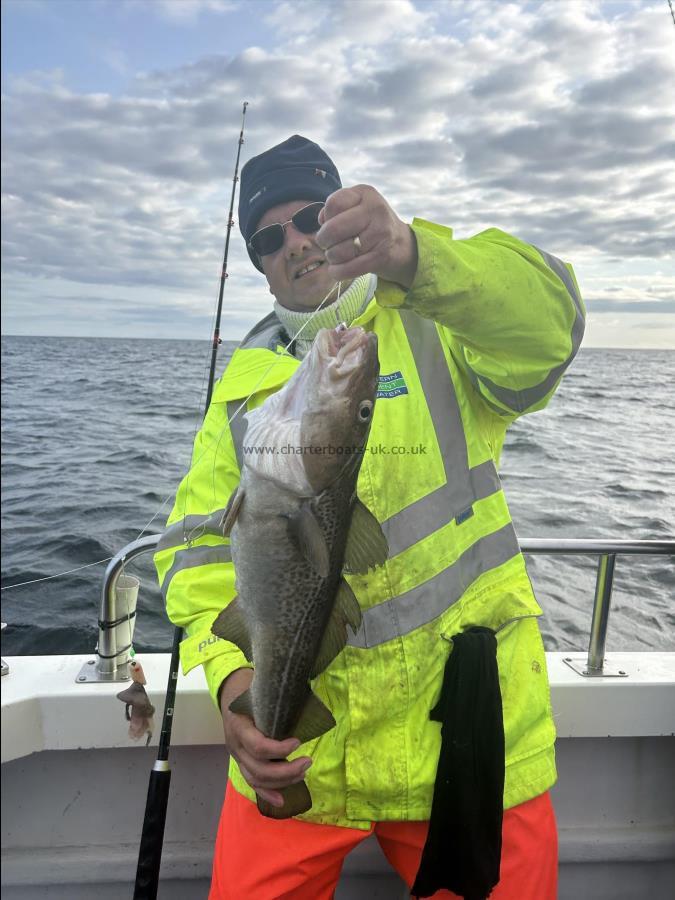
<point>554,121</point>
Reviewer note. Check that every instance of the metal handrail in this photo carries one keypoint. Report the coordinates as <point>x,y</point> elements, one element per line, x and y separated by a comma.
<point>114,668</point>
<point>606,551</point>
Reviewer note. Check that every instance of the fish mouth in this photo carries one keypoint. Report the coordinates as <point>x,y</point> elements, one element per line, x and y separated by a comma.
<point>345,349</point>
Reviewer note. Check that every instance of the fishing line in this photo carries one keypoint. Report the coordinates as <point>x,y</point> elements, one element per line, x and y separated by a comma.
<point>8,587</point>
<point>255,388</point>
<point>215,443</point>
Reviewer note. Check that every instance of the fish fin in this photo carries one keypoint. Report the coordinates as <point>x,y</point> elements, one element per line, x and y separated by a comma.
<point>243,704</point>
<point>366,543</point>
<point>306,533</point>
<point>231,626</point>
<point>346,611</point>
<point>134,694</point>
<point>297,800</point>
<point>232,511</point>
<point>316,719</point>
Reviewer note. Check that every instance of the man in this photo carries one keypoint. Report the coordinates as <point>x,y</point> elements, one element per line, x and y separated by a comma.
<point>471,334</point>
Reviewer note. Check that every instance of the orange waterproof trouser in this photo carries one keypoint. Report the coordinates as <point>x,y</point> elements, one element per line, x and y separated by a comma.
<point>262,859</point>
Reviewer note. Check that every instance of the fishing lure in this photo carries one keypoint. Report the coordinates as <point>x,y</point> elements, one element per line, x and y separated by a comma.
<point>138,709</point>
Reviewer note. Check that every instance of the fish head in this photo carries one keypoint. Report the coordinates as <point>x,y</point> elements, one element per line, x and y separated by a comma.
<point>340,387</point>
<point>303,435</point>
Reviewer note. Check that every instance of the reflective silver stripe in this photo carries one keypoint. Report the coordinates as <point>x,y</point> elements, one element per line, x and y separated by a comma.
<point>439,392</point>
<point>425,516</point>
<point>475,382</point>
<point>463,486</point>
<point>193,557</point>
<point>237,427</point>
<point>189,528</point>
<point>521,400</point>
<point>427,601</point>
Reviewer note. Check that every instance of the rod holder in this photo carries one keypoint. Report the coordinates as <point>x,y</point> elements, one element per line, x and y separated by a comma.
<point>111,663</point>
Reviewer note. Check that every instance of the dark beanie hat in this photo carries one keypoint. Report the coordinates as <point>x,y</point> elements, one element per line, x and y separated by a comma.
<point>296,169</point>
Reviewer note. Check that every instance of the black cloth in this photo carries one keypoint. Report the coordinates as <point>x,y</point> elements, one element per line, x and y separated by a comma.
<point>463,847</point>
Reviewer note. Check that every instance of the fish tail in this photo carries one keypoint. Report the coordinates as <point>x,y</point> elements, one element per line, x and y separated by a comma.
<point>297,800</point>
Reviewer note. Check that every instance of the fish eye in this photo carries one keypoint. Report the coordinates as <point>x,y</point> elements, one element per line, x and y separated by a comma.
<point>365,410</point>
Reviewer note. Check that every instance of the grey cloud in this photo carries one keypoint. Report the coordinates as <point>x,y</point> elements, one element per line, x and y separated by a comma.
<point>570,139</point>
<point>634,87</point>
<point>506,80</point>
<point>133,190</point>
<point>665,307</point>
<point>418,154</point>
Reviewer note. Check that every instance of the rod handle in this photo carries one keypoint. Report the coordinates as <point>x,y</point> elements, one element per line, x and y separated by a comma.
<point>152,838</point>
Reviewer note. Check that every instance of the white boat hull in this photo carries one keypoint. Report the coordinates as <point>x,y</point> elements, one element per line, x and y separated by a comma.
<point>74,785</point>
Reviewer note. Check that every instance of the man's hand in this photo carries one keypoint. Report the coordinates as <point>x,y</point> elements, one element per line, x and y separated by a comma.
<point>261,760</point>
<point>385,245</point>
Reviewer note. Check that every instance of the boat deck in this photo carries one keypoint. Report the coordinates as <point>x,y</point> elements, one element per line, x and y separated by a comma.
<point>74,785</point>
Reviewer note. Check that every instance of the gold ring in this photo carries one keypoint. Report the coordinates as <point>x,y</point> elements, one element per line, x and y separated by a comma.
<point>357,244</point>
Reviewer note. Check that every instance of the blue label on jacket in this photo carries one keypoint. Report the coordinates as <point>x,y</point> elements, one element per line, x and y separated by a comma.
<point>392,385</point>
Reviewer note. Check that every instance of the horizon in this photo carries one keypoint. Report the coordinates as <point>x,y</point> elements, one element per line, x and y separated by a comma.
<point>236,341</point>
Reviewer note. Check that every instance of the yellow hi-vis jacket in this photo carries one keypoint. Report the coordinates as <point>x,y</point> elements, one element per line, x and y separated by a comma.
<point>483,335</point>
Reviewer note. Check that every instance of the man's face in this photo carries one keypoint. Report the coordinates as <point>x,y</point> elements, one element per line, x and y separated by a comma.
<point>287,270</point>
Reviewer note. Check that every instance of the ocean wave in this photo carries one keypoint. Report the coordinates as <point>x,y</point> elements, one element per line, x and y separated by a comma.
<point>88,459</point>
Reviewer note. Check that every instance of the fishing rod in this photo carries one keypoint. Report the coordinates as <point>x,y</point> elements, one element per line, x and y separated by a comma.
<point>152,836</point>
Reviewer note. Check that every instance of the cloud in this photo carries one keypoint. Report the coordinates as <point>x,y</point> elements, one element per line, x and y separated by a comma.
<point>549,120</point>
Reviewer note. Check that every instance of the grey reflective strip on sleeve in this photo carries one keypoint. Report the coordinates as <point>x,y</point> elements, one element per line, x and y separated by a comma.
<point>189,528</point>
<point>193,557</point>
<point>521,400</point>
<point>427,601</point>
<point>235,417</point>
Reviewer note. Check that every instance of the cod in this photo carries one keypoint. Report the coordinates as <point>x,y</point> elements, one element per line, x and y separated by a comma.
<point>296,526</point>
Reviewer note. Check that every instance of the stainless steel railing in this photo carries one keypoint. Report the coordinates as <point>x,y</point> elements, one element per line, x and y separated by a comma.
<point>111,663</point>
<point>606,551</point>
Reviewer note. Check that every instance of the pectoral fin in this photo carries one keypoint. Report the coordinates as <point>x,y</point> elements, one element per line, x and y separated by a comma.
<point>366,544</point>
<point>297,800</point>
<point>232,511</point>
<point>306,533</point>
<point>316,719</point>
<point>346,611</point>
<point>231,626</point>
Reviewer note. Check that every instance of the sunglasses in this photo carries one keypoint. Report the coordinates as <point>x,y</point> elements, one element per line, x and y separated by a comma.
<point>271,238</point>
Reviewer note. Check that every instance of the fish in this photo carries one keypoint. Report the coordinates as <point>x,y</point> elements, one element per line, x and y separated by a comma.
<point>138,708</point>
<point>296,526</point>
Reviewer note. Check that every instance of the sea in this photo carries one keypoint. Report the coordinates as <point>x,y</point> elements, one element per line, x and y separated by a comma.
<point>97,433</point>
